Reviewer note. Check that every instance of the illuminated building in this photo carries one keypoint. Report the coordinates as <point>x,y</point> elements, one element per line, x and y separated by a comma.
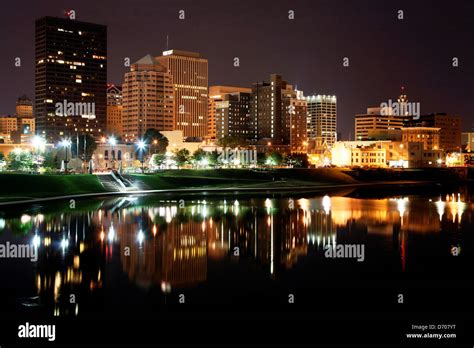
<point>71,68</point>
<point>147,99</point>
<point>322,118</point>
<point>278,114</point>
<point>450,128</point>
<point>373,120</point>
<point>229,112</point>
<point>189,72</point>
<point>24,107</point>
<point>268,122</point>
<point>114,110</point>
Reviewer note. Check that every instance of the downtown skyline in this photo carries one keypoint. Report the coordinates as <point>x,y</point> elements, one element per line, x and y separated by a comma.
<point>307,55</point>
<point>384,55</point>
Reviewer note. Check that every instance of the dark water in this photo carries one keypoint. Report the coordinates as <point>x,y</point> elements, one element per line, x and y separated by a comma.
<point>112,257</point>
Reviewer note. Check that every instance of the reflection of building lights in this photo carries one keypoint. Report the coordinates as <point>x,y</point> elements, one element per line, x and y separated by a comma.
<point>36,241</point>
<point>111,234</point>
<point>25,218</point>
<point>2,224</point>
<point>154,230</point>
<point>440,205</point>
<point>140,237</point>
<point>165,287</point>
<point>102,236</point>
<point>64,243</point>
<point>268,204</point>
<point>327,204</point>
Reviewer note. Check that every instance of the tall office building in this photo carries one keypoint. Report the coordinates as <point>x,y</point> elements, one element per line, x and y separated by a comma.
<point>189,73</point>
<point>114,110</point>
<point>147,99</point>
<point>24,107</point>
<point>297,115</point>
<point>268,122</point>
<point>322,118</point>
<point>229,111</point>
<point>70,77</point>
<point>373,121</point>
<point>233,115</point>
<point>450,128</point>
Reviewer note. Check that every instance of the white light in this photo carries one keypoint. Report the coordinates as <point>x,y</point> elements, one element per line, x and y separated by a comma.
<point>64,243</point>
<point>327,204</point>
<point>140,237</point>
<point>36,241</point>
<point>141,144</point>
<point>65,143</point>
<point>111,234</point>
<point>112,141</point>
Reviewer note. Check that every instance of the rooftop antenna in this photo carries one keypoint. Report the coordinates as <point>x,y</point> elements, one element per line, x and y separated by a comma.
<point>167,42</point>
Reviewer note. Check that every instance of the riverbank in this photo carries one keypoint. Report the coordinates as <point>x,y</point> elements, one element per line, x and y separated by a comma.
<point>31,188</point>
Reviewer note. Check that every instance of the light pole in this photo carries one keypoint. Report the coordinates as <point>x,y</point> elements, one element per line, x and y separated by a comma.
<point>141,147</point>
<point>66,143</point>
<point>39,144</point>
<point>113,142</point>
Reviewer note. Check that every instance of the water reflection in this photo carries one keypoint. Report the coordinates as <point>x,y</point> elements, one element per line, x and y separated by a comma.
<point>169,244</point>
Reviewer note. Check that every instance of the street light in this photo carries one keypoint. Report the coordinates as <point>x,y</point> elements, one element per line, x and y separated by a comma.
<point>113,142</point>
<point>39,144</point>
<point>141,144</point>
<point>66,143</point>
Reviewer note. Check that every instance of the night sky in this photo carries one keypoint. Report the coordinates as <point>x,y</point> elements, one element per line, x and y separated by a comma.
<point>385,53</point>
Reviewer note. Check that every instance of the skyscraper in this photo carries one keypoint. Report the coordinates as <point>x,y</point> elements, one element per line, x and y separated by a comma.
<point>147,99</point>
<point>322,118</point>
<point>114,110</point>
<point>268,121</point>
<point>233,115</point>
<point>24,107</point>
<point>229,111</point>
<point>70,77</point>
<point>189,72</point>
<point>373,120</point>
<point>297,115</point>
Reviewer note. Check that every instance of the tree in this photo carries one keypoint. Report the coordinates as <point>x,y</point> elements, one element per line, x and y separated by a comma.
<point>297,160</point>
<point>159,159</point>
<point>199,155</point>
<point>50,161</point>
<point>213,158</point>
<point>181,157</point>
<point>274,158</point>
<point>2,156</point>
<point>21,160</point>
<point>155,140</point>
<point>90,147</point>
<point>232,142</point>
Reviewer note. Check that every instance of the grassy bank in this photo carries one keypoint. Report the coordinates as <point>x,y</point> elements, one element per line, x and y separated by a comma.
<point>31,185</point>
<point>24,186</point>
<point>171,179</point>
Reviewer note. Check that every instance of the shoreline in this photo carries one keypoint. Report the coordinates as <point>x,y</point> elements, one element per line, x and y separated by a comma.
<point>220,190</point>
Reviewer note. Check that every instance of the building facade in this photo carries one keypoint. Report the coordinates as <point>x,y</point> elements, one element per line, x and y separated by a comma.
<point>268,123</point>
<point>24,107</point>
<point>189,73</point>
<point>232,115</point>
<point>217,94</point>
<point>148,100</point>
<point>322,118</point>
<point>373,120</point>
<point>450,128</point>
<point>114,110</point>
<point>70,78</point>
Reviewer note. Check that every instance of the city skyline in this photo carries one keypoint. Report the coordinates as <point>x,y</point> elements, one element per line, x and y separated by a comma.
<point>435,83</point>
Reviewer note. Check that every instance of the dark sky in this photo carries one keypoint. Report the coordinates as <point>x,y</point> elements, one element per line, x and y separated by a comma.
<point>385,53</point>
